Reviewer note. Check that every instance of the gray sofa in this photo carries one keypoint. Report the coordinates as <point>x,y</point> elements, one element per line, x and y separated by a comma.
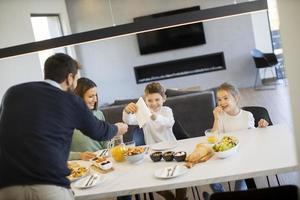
<point>193,111</point>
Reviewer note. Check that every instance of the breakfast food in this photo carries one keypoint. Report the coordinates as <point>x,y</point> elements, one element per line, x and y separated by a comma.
<point>180,156</point>
<point>226,143</point>
<point>156,156</point>
<point>168,156</point>
<point>201,153</point>
<point>77,171</point>
<point>134,150</point>
<point>98,159</point>
<point>105,165</point>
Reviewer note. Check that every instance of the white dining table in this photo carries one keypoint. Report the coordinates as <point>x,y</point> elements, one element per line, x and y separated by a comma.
<point>261,152</point>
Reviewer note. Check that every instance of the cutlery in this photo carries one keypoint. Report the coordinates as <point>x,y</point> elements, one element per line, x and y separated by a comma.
<point>173,170</point>
<point>147,150</point>
<point>103,152</point>
<point>88,182</point>
<point>92,181</point>
<point>169,170</point>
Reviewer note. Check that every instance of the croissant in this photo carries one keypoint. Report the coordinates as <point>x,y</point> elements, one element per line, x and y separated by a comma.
<point>201,153</point>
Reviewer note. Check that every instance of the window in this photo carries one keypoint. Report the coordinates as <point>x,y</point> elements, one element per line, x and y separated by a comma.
<point>47,26</point>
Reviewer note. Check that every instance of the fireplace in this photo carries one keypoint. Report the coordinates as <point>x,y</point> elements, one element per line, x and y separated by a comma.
<point>178,68</point>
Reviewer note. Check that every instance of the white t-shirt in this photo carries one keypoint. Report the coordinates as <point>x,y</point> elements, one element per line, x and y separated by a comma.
<point>228,123</point>
<point>158,130</point>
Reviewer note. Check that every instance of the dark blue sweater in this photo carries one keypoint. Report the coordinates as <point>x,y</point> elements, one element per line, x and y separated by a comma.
<point>36,126</point>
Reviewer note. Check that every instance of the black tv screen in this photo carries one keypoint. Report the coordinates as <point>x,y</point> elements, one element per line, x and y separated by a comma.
<point>170,38</point>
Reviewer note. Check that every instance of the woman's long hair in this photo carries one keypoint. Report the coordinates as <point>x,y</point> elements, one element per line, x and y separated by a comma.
<point>83,85</point>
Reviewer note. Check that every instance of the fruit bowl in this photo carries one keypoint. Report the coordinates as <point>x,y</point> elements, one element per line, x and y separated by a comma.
<point>226,147</point>
<point>135,157</point>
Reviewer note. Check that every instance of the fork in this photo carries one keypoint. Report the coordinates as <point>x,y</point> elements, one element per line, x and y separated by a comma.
<point>173,170</point>
<point>169,170</point>
<point>92,181</point>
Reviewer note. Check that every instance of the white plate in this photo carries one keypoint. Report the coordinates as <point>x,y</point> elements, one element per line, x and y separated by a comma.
<point>82,183</point>
<point>163,172</point>
<point>164,146</point>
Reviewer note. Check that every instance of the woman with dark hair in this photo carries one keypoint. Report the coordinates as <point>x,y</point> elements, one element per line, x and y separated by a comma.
<point>82,147</point>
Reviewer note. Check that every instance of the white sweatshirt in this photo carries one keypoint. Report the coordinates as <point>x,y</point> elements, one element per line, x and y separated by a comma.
<point>228,123</point>
<point>158,130</point>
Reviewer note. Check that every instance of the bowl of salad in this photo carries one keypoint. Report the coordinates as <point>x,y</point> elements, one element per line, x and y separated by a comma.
<point>226,147</point>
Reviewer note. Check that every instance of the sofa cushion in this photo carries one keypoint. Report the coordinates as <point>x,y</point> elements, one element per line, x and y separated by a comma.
<point>193,111</point>
<point>123,102</point>
<point>173,93</point>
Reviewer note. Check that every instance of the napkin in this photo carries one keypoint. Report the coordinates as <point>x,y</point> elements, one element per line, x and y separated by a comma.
<point>143,114</point>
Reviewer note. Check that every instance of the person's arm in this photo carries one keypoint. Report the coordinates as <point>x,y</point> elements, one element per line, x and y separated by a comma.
<point>96,129</point>
<point>128,115</point>
<point>81,155</point>
<point>216,112</point>
<point>74,155</point>
<point>129,118</point>
<point>251,121</point>
<point>165,119</point>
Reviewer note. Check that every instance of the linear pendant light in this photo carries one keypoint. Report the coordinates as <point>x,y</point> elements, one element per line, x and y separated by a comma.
<point>137,27</point>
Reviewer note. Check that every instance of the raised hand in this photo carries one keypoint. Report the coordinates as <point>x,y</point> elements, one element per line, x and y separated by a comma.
<point>262,123</point>
<point>122,128</point>
<point>217,112</point>
<point>131,108</point>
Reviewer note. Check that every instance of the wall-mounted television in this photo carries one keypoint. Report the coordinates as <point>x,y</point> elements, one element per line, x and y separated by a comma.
<point>170,38</point>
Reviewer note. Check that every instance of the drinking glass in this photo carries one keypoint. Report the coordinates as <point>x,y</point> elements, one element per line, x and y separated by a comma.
<point>211,136</point>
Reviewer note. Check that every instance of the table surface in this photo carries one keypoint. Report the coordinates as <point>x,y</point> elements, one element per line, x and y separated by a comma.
<point>262,151</point>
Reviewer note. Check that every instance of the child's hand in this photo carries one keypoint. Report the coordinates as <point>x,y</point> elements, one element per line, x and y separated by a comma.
<point>217,112</point>
<point>131,108</point>
<point>262,123</point>
<point>87,155</point>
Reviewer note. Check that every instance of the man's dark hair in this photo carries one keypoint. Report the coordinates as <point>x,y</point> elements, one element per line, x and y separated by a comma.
<point>58,66</point>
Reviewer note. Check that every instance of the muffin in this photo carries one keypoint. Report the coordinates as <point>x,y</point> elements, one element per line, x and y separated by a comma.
<point>180,156</point>
<point>156,156</point>
<point>168,156</point>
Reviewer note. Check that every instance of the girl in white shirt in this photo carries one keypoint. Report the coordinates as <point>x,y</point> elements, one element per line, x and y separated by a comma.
<point>159,128</point>
<point>228,117</point>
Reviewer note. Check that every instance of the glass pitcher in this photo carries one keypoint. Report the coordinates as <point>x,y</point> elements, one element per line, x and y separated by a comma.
<point>117,148</point>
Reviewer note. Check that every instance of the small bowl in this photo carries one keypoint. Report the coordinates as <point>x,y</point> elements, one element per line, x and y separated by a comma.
<point>180,156</point>
<point>105,165</point>
<point>227,153</point>
<point>168,156</point>
<point>156,156</point>
<point>135,158</point>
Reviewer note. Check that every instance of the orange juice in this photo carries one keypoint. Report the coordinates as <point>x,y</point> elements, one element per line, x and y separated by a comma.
<point>117,153</point>
<point>212,138</point>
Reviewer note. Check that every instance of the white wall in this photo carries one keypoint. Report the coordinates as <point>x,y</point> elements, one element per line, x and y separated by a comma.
<point>262,37</point>
<point>290,30</point>
<point>110,63</point>
<point>15,29</point>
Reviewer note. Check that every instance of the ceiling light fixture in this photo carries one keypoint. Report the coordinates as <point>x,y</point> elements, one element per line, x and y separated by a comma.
<point>136,27</point>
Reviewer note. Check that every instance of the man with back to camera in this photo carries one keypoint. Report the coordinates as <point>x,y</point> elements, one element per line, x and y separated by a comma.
<point>37,120</point>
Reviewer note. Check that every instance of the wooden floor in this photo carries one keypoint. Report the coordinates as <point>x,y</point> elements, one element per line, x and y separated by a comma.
<point>277,103</point>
